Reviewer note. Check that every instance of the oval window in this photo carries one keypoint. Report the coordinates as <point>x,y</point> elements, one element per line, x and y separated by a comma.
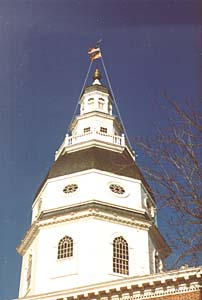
<point>117,189</point>
<point>70,188</point>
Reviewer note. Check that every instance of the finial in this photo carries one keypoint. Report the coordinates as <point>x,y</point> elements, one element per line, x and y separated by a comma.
<point>97,75</point>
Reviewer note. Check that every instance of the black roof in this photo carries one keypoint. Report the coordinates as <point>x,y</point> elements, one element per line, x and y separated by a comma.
<point>95,158</point>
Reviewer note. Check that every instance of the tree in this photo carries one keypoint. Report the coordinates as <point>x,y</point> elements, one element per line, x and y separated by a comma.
<point>174,171</point>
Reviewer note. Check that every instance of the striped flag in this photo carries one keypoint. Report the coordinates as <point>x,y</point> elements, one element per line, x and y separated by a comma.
<point>94,53</point>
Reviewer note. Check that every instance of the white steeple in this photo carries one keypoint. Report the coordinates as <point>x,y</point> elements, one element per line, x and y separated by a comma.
<point>93,217</point>
<point>95,125</point>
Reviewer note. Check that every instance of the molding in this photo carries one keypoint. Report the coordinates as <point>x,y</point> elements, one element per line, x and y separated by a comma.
<point>94,142</point>
<point>97,210</point>
<point>91,209</point>
<point>100,114</point>
<point>98,206</point>
<point>28,238</point>
<point>139,287</point>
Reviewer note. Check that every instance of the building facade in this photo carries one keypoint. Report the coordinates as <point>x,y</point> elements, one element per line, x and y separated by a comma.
<point>94,233</point>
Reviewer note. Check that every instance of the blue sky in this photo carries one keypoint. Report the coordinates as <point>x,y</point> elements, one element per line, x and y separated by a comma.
<point>149,47</point>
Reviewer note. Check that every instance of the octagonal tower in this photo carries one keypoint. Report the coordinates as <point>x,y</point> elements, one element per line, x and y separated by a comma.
<point>94,215</point>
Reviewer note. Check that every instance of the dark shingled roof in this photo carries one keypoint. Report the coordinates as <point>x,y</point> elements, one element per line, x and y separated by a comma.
<point>95,158</point>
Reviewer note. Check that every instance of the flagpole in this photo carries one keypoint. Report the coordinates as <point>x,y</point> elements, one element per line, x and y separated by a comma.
<point>119,115</point>
<point>90,52</point>
<point>87,74</point>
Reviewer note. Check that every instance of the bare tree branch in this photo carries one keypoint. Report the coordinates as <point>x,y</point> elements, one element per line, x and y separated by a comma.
<point>175,173</point>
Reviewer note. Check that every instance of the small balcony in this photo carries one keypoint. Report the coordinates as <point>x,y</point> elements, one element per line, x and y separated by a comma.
<point>74,140</point>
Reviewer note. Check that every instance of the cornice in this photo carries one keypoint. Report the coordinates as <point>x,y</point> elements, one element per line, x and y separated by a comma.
<point>91,209</point>
<point>96,113</point>
<point>97,215</point>
<point>93,143</point>
<point>106,207</point>
<point>97,209</point>
<point>164,284</point>
<point>28,238</point>
<point>100,211</point>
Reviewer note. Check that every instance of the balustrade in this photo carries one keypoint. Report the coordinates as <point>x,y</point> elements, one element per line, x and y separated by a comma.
<point>97,135</point>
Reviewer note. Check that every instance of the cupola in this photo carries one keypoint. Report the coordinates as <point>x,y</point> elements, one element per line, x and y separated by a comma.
<point>96,97</point>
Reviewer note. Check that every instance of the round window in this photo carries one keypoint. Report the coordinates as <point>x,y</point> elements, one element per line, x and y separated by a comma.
<point>70,188</point>
<point>115,188</point>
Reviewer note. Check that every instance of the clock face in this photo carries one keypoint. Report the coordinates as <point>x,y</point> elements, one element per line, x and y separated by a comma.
<point>117,189</point>
<point>70,188</point>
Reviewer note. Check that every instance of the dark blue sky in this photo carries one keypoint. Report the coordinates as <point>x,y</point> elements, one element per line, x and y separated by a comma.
<point>149,46</point>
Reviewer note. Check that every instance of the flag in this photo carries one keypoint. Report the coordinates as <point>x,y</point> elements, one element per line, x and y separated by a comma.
<point>93,50</point>
<point>94,53</point>
<point>95,56</point>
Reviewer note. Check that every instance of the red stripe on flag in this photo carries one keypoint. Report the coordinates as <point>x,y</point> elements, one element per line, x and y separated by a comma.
<point>93,50</point>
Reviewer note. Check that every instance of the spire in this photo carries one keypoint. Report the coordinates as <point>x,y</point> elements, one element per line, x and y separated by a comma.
<point>96,77</point>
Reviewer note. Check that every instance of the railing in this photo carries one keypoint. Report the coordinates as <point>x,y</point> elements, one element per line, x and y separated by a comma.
<point>91,135</point>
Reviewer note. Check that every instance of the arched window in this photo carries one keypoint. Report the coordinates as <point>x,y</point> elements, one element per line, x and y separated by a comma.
<point>29,270</point>
<point>157,262</point>
<point>101,103</point>
<point>65,247</point>
<point>91,102</point>
<point>120,256</point>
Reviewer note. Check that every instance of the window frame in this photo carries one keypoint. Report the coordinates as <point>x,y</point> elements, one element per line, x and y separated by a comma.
<point>157,267</point>
<point>86,130</point>
<point>120,256</point>
<point>65,248</point>
<point>29,271</point>
<point>103,130</point>
<point>70,189</point>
